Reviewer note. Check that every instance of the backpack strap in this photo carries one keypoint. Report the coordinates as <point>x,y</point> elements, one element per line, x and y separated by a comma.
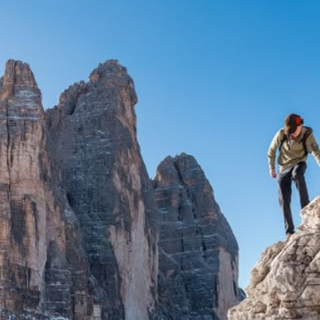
<point>304,139</point>
<point>284,138</point>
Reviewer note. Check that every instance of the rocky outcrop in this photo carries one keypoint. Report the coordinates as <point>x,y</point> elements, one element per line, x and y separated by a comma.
<point>93,140</point>
<point>23,205</point>
<point>198,251</point>
<point>34,269</point>
<point>285,282</point>
<point>80,219</point>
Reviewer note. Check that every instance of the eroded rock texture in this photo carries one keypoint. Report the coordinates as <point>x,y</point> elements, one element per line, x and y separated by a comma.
<point>23,206</point>
<point>198,251</point>
<point>285,282</point>
<point>35,275</point>
<point>93,139</point>
<point>79,220</point>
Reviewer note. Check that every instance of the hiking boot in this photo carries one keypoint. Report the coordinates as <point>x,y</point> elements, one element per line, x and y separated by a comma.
<point>288,235</point>
<point>302,227</point>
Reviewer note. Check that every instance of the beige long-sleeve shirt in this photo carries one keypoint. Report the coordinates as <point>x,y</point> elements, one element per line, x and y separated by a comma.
<point>292,151</point>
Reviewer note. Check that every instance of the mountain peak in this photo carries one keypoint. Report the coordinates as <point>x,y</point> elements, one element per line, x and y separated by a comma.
<point>18,73</point>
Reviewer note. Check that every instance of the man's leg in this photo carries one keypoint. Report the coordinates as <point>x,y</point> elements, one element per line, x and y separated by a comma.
<point>300,182</point>
<point>284,187</point>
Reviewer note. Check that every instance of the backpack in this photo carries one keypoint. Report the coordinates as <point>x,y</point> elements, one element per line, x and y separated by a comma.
<point>303,140</point>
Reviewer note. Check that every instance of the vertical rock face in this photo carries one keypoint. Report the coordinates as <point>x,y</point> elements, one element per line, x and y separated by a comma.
<point>21,227</point>
<point>198,252</point>
<point>22,198</point>
<point>285,282</point>
<point>93,139</point>
<point>30,213</point>
<point>43,269</point>
<point>80,223</point>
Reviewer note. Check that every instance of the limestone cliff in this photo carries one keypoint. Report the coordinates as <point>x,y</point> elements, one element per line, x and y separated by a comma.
<point>35,276</point>
<point>23,192</point>
<point>198,251</point>
<point>80,219</point>
<point>93,139</point>
<point>285,282</point>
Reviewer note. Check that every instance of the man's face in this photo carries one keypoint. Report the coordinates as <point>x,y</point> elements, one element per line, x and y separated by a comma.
<point>297,132</point>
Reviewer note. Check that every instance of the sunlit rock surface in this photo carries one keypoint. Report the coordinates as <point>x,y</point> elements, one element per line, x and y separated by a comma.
<point>35,277</point>
<point>285,282</point>
<point>80,220</point>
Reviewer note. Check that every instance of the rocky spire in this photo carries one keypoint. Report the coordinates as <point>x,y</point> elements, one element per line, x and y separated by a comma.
<point>198,251</point>
<point>21,155</point>
<point>23,205</point>
<point>42,268</point>
<point>93,139</point>
<point>79,219</point>
<point>18,75</point>
<point>20,97</point>
<point>285,281</point>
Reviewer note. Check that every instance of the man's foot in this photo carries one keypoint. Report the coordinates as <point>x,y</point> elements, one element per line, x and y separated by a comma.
<point>289,234</point>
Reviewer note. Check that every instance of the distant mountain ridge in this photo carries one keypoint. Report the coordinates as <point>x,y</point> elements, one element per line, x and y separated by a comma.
<point>84,233</point>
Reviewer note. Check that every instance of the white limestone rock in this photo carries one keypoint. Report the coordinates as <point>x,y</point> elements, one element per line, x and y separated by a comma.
<point>285,282</point>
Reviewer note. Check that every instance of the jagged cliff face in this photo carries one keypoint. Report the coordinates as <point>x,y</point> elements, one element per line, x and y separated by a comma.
<point>198,251</point>
<point>32,229</point>
<point>93,138</point>
<point>285,282</point>
<point>80,219</point>
<point>23,204</point>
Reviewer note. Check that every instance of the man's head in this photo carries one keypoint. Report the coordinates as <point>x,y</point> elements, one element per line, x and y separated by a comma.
<point>292,124</point>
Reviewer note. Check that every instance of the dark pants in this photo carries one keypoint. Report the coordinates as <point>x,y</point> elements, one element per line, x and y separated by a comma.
<point>284,185</point>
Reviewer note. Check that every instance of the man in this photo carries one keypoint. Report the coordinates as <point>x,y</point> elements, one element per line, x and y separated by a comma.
<point>294,143</point>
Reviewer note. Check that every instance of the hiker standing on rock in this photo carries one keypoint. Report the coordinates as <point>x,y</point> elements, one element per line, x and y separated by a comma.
<point>294,142</point>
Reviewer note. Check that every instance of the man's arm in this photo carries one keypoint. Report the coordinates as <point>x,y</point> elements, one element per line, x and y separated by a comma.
<point>272,152</point>
<point>313,148</point>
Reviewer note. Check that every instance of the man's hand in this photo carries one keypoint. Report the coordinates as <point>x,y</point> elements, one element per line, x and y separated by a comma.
<point>273,173</point>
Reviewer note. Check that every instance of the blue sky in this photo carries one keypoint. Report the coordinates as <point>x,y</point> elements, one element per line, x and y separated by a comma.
<point>215,79</point>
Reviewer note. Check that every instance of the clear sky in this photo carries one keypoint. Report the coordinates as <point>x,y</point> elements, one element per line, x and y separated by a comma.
<point>215,79</point>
